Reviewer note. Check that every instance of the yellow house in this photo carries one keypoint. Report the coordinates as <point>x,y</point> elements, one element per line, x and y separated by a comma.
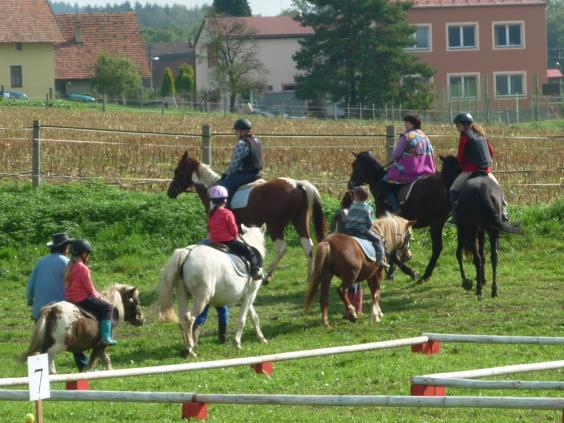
<point>28,34</point>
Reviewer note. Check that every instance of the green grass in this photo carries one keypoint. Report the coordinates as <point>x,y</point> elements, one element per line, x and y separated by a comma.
<point>133,235</point>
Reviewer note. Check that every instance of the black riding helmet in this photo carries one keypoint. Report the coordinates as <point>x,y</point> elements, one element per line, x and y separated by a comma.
<point>242,124</point>
<point>80,246</point>
<point>463,118</point>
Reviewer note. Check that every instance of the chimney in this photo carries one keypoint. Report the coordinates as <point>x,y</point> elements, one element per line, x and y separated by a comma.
<point>77,32</point>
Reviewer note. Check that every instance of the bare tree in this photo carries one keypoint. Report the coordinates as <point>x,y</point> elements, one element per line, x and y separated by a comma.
<point>232,56</point>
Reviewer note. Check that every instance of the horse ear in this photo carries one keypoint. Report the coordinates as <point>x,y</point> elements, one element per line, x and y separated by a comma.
<point>185,155</point>
<point>442,158</point>
<point>244,228</point>
<point>263,228</point>
<point>354,154</point>
<point>133,290</point>
<point>411,223</point>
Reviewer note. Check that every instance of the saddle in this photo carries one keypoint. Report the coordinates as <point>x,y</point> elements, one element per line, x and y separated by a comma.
<point>240,264</point>
<point>241,197</point>
<point>477,174</point>
<point>85,313</point>
<point>405,191</point>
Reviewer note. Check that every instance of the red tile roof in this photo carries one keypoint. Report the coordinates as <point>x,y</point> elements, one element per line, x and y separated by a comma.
<point>271,26</point>
<point>112,33</point>
<point>554,73</point>
<point>28,21</point>
<point>466,3</point>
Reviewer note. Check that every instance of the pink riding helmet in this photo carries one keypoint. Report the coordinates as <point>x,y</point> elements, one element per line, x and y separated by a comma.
<point>217,192</point>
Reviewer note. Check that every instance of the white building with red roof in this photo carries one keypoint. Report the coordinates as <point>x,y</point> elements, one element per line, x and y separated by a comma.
<point>276,42</point>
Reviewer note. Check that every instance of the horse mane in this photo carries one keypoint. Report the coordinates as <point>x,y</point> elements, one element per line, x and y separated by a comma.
<point>205,174</point>
<point>388,227</point>
<point>370,159</point>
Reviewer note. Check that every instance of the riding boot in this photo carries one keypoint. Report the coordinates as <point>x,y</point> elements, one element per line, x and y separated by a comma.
<point>256,265</point>
<point>392,201</point>
<point>106,336</point>
<point>221,332</point>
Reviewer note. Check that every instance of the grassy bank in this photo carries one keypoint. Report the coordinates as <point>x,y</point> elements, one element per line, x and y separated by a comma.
<point>133,235</point>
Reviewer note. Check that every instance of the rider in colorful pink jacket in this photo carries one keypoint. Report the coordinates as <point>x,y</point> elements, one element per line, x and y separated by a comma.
<point>413,157</point>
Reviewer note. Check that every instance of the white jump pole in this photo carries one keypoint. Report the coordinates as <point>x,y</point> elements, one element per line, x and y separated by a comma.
<point>219,364</point>
<point>488,384</point>
<point>305,400</point>
<point>495,339</point>
<point>504,370</point>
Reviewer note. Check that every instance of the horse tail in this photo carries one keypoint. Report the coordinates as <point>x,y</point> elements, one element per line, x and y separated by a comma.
<point>38,338</point>
<point>314,206</point>
<point>319,265</point>
<point>492,217</point>
<point>169,280</point>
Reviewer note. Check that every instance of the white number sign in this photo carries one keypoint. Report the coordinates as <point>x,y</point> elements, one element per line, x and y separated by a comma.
<point>38,372</point>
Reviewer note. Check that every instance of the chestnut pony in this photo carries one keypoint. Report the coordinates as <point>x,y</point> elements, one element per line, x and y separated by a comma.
<point>276,203</point>
<point>340,255</point>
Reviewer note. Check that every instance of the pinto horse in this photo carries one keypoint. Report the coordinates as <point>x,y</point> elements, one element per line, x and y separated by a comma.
<point>208,276</point>
<point>340,255</point>
<point>276,203</point>
<point>479,211</point>
<point>428,202</point>
<point>63,327</point>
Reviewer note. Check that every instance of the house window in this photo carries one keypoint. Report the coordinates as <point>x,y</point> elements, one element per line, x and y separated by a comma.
<point>212,56</point>
<point>19,46</point>
<point>288,87</point>
<point>509,84</point>
<point>508,35</point>
<point>16,76</point>
<point>462,36</point>
<point>421,38</point>
<point>463,86</point>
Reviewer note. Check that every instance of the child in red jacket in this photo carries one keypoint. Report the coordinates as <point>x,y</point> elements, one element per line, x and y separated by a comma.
<point>222,228</point>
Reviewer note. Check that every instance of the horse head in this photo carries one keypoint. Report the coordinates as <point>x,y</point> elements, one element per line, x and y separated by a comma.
<point>365,169</point>
<point>254,236</point>
<point>182,176</point>
<point>403,251</point>
<point>450,169</point>
<point>132,312</point>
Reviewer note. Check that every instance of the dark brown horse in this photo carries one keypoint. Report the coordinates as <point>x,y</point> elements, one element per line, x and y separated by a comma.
<point>428,202</point>
<point>479,211</point>
<point>276,203</point>
<point>340,255</point>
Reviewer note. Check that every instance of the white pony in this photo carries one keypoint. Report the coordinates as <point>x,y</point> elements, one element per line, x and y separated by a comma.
<point>208,276</point>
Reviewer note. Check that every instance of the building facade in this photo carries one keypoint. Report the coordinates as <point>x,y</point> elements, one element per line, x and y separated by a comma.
<point>483,51</point>
<point>27,37</point>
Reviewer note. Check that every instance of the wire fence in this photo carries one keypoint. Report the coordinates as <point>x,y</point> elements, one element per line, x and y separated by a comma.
<point>530,168</point>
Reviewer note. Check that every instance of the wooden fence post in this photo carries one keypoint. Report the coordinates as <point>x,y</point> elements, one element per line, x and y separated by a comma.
<point>104,102</point>
<point>36,155</point>
<point>162,105</point>
<point>206,145</point>
<point>390,141</point>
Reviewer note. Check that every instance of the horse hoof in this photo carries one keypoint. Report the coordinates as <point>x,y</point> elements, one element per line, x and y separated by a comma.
<point>265,281</point>
<point>467,284</point>
<point>494,294</point>
<point>263,340</point>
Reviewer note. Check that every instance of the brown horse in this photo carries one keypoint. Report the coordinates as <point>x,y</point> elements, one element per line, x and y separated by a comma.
<point>428,202</point>
<point>62,327</point>
<point>340,255</point>
<point>276,203</point>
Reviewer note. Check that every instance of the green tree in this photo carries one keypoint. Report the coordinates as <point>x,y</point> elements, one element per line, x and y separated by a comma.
<point>185,83</point>
<point>231,46</point>
<point>167,88</point>
<point>357,54</point>
<point>231,7</point>
<point>555,32</point>
<point>115,76</point>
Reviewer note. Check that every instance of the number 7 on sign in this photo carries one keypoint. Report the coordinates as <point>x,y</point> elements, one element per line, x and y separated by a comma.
<point>38,385</point>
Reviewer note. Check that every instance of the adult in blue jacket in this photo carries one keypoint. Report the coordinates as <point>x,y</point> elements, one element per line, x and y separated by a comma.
<point>46,284</point>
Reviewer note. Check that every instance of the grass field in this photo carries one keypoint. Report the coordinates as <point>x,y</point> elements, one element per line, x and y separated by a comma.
<point>134,233</point>
<point>529,169</point>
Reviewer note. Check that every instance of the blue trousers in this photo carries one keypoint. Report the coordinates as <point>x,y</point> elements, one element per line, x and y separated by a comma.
<point>222,315</point>
<point>237,179</point>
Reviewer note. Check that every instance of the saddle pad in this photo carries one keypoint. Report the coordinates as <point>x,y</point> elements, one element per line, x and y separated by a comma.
<point>405,191</point>
<point>367,248</point>
<point>240,265</point>
<point>241,197</point>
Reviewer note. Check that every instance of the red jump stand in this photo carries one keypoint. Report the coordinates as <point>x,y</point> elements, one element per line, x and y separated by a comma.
<point>427,391</point>
<point>428,348</point>
<point>263,368</point>
<point>194,410</point>
<point>78,385</point>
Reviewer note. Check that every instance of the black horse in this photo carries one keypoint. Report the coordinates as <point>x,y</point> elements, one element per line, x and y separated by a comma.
<point>427,203</point>
<point>479,211</point>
